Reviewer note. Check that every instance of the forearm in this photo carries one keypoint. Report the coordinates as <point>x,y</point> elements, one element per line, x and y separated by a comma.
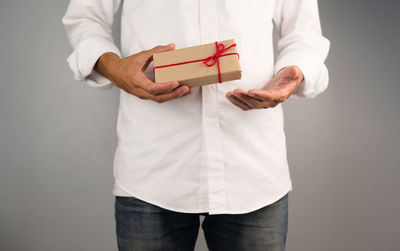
<point>302,44</point>
<point>106,65</point>
<point>88,26</point>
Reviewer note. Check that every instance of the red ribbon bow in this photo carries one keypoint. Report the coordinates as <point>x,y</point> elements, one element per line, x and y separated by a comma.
<point>209,61</point>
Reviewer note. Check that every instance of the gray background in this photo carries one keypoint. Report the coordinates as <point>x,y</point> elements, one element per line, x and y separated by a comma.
<point>57,138</point>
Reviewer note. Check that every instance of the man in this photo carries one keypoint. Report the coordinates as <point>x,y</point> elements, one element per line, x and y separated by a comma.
<point>217,150</point>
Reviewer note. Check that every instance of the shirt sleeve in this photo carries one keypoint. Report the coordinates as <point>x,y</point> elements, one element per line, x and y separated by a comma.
<point>301,43</point>
<point>88,26</point>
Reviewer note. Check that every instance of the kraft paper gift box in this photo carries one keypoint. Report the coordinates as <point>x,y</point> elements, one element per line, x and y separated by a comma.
<point>198,65</point>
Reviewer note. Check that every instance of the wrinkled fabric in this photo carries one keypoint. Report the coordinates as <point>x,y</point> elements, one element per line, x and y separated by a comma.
<point>200,153</point>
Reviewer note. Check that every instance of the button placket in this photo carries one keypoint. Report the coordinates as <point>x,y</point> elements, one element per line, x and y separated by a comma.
<point>210,103</point>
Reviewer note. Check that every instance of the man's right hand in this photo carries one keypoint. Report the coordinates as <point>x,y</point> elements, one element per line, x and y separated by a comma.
<point>128,74</point>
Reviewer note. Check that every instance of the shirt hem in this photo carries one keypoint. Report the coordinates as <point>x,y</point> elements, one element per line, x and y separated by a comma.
<point>123,192</point>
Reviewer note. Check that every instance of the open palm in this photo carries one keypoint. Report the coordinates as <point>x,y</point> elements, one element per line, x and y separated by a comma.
<point>274,92</point>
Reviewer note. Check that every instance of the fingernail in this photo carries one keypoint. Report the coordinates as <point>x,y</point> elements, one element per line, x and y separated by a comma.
<point>251,94</point>
<point>187,93</point>
<point>174,84</point>
<point>185,90</point>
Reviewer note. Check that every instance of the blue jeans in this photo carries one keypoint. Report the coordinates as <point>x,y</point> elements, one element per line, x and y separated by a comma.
<point>145,227</point>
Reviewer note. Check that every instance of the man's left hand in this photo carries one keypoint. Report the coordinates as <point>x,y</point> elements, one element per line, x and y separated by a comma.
<point>274,92</point>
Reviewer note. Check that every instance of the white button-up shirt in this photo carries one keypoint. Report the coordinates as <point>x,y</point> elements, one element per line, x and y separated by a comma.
<point>200,153</point>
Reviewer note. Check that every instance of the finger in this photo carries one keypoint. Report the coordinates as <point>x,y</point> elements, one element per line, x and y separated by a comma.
<point>267,95</point>
<point>178,92</point>
<point>160,48</point>
<point>189,92</point>
<point>240,97</point>
<point>271,96</point>
<point>238,90</point>
<point>242,92</point>
<point>142,94</point>
<point>152,88</point>
<point>237,102</point>
<point>149,53</point>
<point>255,103</point>
<point>146,56</point>
<point>144,68</point>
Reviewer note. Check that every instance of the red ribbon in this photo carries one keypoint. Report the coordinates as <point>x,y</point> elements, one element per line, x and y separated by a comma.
<point>209,61</point>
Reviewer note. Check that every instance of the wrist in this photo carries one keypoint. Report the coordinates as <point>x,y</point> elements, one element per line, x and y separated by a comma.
<point>107,65</point>
<point>296,72</point>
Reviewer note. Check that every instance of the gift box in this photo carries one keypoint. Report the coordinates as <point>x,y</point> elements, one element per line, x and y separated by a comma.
<point>198,65</point>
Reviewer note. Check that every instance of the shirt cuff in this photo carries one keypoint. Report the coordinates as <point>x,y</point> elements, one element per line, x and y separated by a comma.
<point>84,57</point>
<point>315,74</point>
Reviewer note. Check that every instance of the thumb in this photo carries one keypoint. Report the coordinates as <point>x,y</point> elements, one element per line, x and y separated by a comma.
<point>146,56</point>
